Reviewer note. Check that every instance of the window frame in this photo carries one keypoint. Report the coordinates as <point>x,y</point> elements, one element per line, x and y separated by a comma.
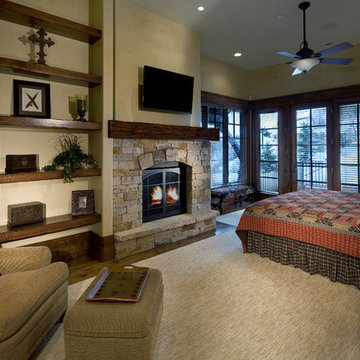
<point>329,141</point>
<point>336,139</point>
<point>286,106</point>
<point>210,100</point>
<point>224,130</point>
<point>259,151</point>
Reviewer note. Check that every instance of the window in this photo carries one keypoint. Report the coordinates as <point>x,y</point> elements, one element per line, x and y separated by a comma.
<point>228,156</point>
<point>311,154</point>
<point>349,147</point>
<point>269,156</point>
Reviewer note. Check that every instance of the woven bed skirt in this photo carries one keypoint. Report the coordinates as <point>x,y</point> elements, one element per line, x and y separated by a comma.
<point>308,257</point>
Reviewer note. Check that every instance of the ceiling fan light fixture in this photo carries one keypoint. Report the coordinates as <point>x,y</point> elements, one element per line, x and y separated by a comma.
<point>305,64</point>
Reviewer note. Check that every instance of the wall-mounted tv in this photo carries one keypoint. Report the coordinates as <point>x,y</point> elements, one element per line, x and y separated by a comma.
<point>167,91</point>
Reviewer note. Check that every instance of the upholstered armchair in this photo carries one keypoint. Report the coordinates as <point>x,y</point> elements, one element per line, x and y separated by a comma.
<point>33,297</point>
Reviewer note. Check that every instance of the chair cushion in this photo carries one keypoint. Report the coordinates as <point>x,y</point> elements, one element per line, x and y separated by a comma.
<point>23,258</point>
<point>23,293</point>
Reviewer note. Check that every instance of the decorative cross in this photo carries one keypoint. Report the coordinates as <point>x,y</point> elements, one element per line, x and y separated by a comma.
<point>42,42</point>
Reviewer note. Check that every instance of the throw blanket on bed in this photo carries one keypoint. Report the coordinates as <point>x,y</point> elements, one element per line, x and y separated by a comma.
<point>329,219</point>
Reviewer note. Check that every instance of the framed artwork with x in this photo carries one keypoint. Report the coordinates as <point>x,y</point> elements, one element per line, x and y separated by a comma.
<point>31,99</point>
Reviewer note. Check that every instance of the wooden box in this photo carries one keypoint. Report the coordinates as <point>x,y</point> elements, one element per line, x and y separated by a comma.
<point>21,163</point>
<point>27,213</point>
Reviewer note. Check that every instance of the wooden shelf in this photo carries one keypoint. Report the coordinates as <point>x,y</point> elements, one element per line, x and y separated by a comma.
<point>27,16</point>
<point>50,73</point>
<point>45,175</point>
<point>48,226</point>
<point>137,130</point>
<point>49,123</point>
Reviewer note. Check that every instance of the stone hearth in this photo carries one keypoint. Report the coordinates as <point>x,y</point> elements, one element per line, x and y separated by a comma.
<point>131,157</point>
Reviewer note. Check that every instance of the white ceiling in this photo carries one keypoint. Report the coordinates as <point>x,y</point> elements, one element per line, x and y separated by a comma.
<point>253,28</point>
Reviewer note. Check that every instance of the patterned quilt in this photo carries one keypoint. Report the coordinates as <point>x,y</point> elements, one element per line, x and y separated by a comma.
<point>329,219</point>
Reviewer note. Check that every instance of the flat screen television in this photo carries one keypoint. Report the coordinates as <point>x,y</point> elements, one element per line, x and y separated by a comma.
<point>167,91</point>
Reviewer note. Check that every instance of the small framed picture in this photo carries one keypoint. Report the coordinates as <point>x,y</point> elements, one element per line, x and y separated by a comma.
<point>31,99</point>
<point>82,202</point>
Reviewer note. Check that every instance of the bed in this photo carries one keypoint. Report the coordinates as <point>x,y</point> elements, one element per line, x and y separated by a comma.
<point>315,230</point>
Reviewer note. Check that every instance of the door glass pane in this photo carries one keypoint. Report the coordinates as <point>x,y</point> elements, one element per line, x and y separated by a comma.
<point>303,154</point>
<point>318,116</point>
<point>216,163</point>
<point>311,149</point>
<point>269,150</point>
<point>234,166</point>
<point>319,135</point>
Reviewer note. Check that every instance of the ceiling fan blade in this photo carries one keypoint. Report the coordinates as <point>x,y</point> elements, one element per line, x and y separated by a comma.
<point>296,72</point>
<point>337,61</point>
<point>334,49</point>
<point>286,53</point>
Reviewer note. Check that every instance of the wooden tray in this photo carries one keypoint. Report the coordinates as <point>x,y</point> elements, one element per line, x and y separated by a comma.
<point>125,285</point>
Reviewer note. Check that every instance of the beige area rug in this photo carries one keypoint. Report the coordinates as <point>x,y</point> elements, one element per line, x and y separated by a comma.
<point>232,218</point>
<point>222,304</point>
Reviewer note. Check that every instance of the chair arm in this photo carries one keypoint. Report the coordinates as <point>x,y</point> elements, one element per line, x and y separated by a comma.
<point>23,258</point>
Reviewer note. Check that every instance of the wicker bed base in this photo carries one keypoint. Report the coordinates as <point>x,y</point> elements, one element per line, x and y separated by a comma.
<point>310,258</point>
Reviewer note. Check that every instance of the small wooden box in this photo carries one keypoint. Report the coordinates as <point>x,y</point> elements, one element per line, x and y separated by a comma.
<point>21,163</point>
<point>27,213</point>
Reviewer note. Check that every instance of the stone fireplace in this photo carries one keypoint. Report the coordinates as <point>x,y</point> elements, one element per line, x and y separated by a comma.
<point>177,167</point>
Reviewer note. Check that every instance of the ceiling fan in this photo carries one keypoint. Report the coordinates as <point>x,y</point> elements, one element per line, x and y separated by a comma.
<point>307,58</point>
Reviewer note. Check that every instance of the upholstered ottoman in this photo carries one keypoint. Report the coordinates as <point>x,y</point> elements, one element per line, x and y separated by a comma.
<point>116,330</point>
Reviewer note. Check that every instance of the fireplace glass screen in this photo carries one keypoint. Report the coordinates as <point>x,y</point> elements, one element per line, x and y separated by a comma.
<point>164,191</point>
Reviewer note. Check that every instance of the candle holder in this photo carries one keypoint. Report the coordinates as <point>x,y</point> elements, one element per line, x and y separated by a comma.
<point>81,106</point>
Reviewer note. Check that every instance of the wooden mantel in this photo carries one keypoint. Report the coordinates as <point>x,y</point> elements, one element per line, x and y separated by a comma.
<point>139,130</point>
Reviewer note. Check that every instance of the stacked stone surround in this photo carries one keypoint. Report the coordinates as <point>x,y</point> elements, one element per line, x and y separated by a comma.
<point>131,157</point>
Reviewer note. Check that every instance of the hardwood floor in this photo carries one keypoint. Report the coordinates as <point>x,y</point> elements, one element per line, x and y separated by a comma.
<point>87,267</point>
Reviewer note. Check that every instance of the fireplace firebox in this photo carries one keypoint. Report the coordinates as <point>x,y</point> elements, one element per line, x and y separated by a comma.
<point>164,190</point>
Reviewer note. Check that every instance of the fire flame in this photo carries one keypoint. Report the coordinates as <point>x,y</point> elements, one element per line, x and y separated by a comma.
<point>156,195</point>
<point>172,195</point>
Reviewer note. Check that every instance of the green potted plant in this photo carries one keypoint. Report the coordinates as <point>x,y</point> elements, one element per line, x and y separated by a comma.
<point>70,158</point>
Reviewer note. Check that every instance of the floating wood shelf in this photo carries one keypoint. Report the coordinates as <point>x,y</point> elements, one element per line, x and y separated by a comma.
<point>27,16</point>
<point>49,72</point>
<point>45,175</point>
<point>137,130</point>
<point>49,123</point>
<point>48,226</point>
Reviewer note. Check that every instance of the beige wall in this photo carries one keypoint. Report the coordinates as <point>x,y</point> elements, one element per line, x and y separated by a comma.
<point>68,54</point>
<point>143,38</point>
<point>101,62</point>
<point>225,79</point>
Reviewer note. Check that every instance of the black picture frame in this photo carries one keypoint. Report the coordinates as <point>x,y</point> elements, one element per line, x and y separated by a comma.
<point>31,99</point>
<point>82,202</point>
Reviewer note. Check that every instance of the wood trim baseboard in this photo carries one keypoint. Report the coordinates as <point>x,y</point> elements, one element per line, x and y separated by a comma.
<point>102,248</point>
<point>70,248</point>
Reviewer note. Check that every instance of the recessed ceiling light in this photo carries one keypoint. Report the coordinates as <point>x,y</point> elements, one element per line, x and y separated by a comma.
<point>201,8</point>
<point>237,54</point>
